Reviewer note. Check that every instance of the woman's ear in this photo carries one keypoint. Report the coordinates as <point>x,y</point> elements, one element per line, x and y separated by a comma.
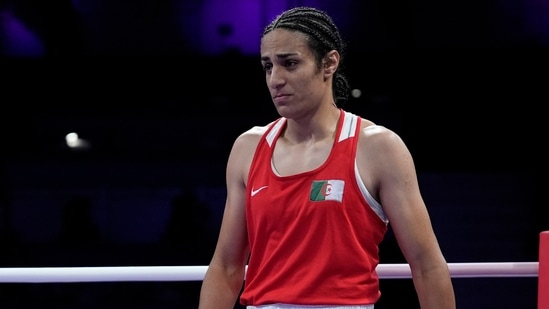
<point>331,62</point>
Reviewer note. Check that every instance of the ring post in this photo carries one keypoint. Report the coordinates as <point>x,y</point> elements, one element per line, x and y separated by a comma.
<point>543,272</point>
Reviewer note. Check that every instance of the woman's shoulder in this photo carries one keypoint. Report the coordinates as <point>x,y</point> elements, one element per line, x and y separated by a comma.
<point>370,128</point>
<point>379,135</point>
<point>252,136</point>
<point>257,131</point>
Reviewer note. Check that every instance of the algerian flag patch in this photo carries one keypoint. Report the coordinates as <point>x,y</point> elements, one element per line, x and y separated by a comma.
<point>327,190</point>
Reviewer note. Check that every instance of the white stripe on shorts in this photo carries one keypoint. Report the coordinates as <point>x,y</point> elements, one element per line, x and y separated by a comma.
<point>290,306</point>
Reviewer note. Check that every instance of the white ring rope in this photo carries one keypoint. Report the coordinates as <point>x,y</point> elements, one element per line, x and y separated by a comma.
<point>196,273</point>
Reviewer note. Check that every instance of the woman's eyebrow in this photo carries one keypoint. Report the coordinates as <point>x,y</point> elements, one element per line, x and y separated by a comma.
<point>280,56</point>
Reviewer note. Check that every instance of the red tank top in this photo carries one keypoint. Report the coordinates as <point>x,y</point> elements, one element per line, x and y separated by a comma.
<point>313,237</point>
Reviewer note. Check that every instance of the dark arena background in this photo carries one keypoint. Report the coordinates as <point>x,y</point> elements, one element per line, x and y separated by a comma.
<point>155,93</point>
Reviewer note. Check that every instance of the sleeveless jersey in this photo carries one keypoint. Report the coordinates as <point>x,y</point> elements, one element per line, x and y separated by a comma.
<point>313,236</point>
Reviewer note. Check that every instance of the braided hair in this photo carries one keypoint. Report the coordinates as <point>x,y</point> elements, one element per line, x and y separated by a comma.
<point>323,37</point>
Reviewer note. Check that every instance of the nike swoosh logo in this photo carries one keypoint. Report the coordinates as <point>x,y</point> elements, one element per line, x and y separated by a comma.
<point>254,192</point>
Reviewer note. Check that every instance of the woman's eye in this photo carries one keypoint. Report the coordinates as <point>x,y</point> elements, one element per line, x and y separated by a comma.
<point>267,67</point>
<point>290,64</point>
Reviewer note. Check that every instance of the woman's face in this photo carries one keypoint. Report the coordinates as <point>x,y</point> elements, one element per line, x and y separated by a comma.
<point>295,82</point>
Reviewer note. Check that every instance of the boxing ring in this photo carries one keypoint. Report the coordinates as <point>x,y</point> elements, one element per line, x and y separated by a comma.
<point>538,269</point>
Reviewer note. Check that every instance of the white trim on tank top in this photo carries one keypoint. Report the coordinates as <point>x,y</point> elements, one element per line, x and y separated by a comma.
<point>375,205</point>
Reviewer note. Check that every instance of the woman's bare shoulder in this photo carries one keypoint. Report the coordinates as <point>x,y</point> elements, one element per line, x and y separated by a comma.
<point>379,137</point>
<point>370,130</point>
<point>253,133</point>
<point>250,138</point>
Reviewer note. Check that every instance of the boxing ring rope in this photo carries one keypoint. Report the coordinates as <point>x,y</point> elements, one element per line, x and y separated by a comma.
<point>196,273</point>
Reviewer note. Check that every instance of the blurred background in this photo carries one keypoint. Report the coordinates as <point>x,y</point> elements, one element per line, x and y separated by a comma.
<point>117,118</point>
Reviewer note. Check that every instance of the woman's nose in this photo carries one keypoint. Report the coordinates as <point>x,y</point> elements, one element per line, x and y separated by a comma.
<point>276,78</point>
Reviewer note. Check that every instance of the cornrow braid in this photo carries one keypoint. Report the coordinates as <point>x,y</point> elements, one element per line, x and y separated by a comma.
<point>323,36</point>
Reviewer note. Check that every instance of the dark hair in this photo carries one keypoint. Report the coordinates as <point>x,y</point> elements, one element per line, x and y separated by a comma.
<point>323,36</point>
